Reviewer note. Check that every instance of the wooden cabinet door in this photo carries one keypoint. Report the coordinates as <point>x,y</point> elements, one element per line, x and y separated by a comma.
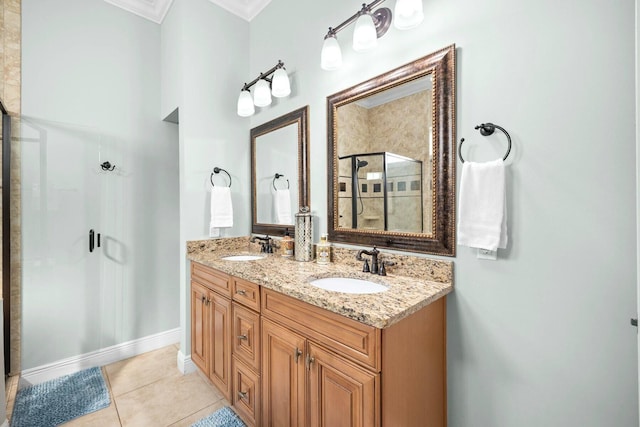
<point>341,394</point>
<point>246,392</point>
<point>200,334</point>
<point>245,336</point>
<point>220,368</point>
<point>283,377</point>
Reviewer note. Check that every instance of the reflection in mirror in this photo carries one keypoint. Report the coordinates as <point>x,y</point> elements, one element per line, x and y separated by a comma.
<point>277,154</point>
<point>380,190</point>
<point>391,158</point>
<point>279,172</point>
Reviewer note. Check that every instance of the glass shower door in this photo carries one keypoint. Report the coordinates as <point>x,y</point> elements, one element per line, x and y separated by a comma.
<point>67,307</point>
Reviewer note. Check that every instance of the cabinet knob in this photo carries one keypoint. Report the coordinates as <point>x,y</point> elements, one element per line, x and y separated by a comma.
<point>297,354</point>
<point>242,394</point>
<point>310,360</point>
<point>242,337</point>
<point>241,292</point>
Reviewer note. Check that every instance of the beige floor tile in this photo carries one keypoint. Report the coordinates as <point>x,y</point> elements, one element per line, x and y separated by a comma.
<point>166,402</point>
<point>107,417</point>
<point>188,421</point>
<point>142,370</point>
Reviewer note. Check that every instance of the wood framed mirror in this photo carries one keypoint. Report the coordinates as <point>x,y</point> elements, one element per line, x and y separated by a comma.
<point>279,172</point>
<point>391,158</point>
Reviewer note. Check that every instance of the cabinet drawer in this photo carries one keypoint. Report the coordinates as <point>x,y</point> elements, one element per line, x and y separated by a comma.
<point>246,293</point>
<point>245,336</point>
<point>246,393</point>
<point>211,278</point>
<point>352,339</point>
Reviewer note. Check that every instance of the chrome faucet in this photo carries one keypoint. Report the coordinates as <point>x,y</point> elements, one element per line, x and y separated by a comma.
<point>266,243</point>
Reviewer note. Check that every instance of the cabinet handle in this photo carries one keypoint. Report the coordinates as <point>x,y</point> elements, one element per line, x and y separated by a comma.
<point>204,300</point>
<point>297,354</point>
<point>310,360</point>
<point>242,337</point>
<point>241,292</point>
<point>91,240</point>
<point>242,394</point>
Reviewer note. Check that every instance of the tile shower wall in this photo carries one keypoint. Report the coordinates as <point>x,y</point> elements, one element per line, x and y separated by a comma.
<point>10,71</point>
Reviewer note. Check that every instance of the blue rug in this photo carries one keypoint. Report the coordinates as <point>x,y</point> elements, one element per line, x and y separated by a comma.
<point>60,400</point>
<point>224,417</point>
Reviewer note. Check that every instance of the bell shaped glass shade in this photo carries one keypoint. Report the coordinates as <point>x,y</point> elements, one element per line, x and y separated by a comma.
<point>280,86</point>
<point>245,104</point>
<point>262,94</point>
<point>364,35</point>
<point>331,56</point>
<point>407,14</point>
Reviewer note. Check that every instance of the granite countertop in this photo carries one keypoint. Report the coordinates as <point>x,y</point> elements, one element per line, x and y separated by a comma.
<point>413,282</point>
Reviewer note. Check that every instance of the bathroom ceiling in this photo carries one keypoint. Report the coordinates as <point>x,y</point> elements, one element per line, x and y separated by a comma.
<point>155,10</point>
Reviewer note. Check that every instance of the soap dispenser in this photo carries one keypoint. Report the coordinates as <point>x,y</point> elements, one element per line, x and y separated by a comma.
<point>323,251</point>
<point>286,244</point>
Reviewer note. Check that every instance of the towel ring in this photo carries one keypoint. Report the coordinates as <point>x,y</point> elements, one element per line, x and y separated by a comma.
<point>217,170</point>
<point>487,129</point>
<point>277,176</point>
<point>107,166</point>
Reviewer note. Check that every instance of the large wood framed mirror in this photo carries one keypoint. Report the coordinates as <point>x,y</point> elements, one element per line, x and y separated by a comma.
<point>279,172</point>
<point>391,158</point>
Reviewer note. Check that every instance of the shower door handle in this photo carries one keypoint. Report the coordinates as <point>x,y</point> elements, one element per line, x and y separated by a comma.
<point>91,240</point>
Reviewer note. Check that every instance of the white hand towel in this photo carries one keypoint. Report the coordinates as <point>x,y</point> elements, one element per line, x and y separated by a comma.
<point>221,210</point>
<point>282,206</point>
<point>482,218</point>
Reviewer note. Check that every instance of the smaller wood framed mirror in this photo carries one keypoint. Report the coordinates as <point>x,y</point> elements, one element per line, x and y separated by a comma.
<point>279,172</point>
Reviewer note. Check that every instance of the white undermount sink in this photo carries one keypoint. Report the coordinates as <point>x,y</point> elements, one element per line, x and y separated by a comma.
<point>242,257</point>
<point>348,286</point>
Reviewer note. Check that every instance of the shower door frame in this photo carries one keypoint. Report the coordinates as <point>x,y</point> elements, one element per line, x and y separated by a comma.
<point>6,237</point>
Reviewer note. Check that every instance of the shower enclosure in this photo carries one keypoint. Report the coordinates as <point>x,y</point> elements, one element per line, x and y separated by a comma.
<point>380,191</point>
<point>99,241</point>
<point>71,290</point>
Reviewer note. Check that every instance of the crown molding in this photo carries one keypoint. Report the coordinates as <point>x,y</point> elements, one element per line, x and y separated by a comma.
<point>153,10</point>
<point>245,9</point>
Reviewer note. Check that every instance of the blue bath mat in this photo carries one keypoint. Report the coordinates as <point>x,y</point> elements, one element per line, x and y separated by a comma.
<point>60,400</point>
<point>223,417</point>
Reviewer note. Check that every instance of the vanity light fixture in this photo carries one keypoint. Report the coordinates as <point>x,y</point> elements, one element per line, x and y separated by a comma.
<point>370,26</point>
<point>278,85</point>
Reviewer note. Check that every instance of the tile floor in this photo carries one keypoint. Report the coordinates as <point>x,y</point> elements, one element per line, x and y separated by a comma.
<point>148,390</point>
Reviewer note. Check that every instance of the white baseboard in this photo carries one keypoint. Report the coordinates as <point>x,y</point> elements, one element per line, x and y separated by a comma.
<point>185,364</point>
<point>100,357</point>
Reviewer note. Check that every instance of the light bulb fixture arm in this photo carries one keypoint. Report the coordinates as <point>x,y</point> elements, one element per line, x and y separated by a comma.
<point>265,75</point>
<point>366,8</point>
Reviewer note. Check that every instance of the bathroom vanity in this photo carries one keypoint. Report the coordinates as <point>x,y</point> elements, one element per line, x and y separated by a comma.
<point>286,353</point>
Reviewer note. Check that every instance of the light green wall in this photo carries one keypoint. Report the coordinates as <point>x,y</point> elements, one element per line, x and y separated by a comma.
<point>541,337</point>
<point>204,55</point>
